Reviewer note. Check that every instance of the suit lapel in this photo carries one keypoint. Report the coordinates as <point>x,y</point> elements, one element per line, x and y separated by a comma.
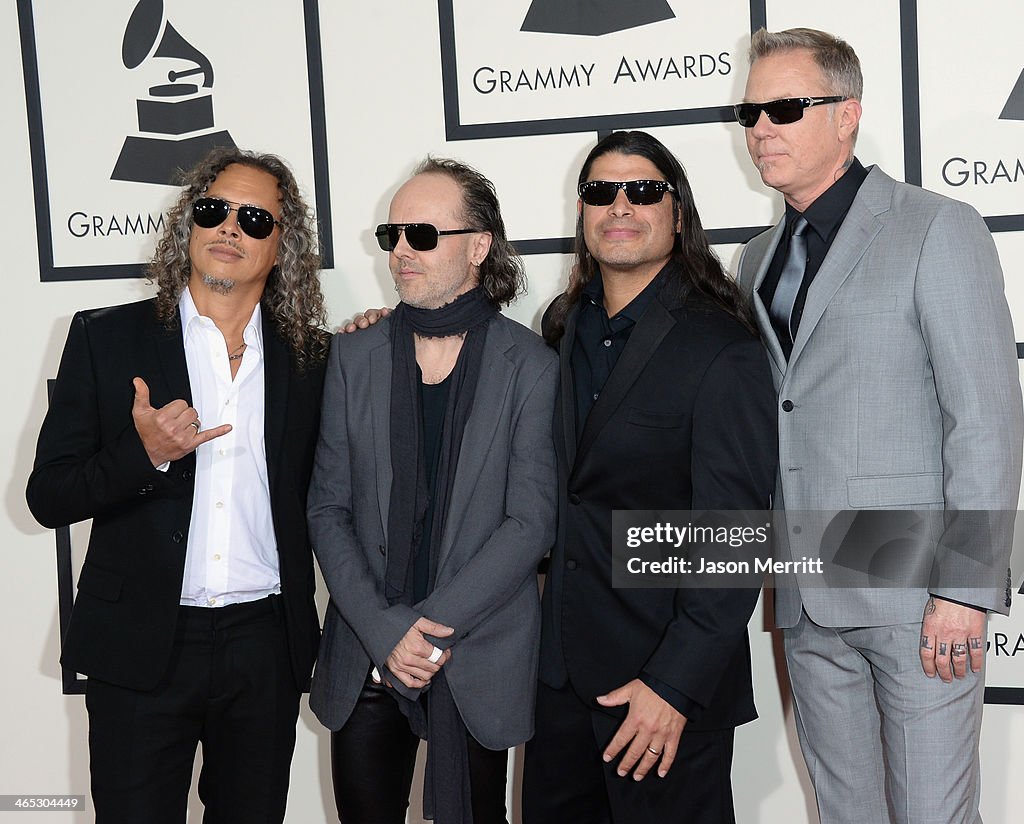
<point>650,330</point>
<point>276,373</point>
<point>567,390</point>
<point>380,422</point>
<point>170,353</point>
<point>493,387</point>
<point>858,231</point>
<point>764,323</point>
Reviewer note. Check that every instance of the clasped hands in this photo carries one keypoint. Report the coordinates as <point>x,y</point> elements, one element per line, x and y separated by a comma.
<point>414,660</point>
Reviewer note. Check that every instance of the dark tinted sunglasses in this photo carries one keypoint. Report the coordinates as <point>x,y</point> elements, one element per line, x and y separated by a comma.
<point>420,236</point>
<point>780,112</point>
<point>638,192</point>
<point>210,212</point>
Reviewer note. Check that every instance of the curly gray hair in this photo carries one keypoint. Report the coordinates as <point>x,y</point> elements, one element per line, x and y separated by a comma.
<point>292,295</point>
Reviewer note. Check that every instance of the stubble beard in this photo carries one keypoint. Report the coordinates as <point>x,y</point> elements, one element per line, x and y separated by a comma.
<point>221,286</point>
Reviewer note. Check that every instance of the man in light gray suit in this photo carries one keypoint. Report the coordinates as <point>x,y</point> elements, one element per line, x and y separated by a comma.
<point>431,503</point>
<point>883,311</point>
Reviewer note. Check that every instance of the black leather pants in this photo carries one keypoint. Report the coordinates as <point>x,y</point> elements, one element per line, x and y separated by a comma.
<point>372,761</point>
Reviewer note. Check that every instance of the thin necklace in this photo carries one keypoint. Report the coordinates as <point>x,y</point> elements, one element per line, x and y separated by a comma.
<point>237,353</point>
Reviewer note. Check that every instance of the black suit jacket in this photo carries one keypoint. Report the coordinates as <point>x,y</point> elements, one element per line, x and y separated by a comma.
<point>90,463</point>
<point>685,421</point>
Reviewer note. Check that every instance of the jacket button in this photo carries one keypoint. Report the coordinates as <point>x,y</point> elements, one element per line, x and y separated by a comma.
<point>143,491</point>
<point>186,475</point>
<point>571,564</point>
<point>177,537</point>
<point>787,406</point>
<point>574,498</point>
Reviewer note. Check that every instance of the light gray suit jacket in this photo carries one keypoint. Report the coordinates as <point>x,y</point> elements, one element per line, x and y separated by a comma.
<point>902,388</point>
<point>500,523</point>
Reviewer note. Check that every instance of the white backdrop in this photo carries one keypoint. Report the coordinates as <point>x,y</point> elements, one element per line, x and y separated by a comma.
<point>383,110</point>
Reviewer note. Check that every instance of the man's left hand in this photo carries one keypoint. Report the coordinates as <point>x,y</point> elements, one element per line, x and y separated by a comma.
<point>651,729</point>
<point>950,635</point>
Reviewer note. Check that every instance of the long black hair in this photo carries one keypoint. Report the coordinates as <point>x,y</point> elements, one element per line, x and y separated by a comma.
<point>699,266</point>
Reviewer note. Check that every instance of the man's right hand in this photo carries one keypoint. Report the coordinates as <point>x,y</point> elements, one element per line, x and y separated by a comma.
<point>409,660</point>
<point>364,320</point>
<point>172,431</point>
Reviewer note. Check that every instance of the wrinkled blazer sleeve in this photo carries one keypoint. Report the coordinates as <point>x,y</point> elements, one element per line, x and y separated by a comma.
<point>354,587</point>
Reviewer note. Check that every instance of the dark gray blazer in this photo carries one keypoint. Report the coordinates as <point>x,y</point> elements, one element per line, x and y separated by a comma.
<point>501,522</point>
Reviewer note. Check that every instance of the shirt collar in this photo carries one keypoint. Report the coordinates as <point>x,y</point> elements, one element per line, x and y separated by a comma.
<point>831,206</point>
<point>252,334</point>
<point>594,293</point>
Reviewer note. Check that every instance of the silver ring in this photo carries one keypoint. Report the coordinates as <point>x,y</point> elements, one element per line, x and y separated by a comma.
<point>435,656</point>
<point>653,751</point>
<point>195,423</point>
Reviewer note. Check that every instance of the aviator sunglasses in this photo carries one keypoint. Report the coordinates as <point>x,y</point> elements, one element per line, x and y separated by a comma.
<point>210,212</point>
<point>420,236</point>
<point>780,112</point>
<point>638,192</point>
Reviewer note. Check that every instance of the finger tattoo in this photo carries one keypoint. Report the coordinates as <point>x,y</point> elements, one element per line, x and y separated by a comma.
<point>959,649</point>
<point>975,643</point>
<point>942,648</point>
<point>930,606</point>
<point>924,642</point>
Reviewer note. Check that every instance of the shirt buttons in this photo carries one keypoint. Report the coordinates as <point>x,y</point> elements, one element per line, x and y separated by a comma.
<point>222,452</point>
<point>216,557</point>
<point>219,504</point>
<point>211,601</point>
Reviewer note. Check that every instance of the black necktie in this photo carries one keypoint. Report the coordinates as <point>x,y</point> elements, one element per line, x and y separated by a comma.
<point>792,276</point>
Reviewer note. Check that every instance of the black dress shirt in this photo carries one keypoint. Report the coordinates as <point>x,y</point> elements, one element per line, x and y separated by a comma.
<point>824,217</point>
<point>600,340</point>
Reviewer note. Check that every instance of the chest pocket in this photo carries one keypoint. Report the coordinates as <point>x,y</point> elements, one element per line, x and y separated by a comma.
<point>655,420</point>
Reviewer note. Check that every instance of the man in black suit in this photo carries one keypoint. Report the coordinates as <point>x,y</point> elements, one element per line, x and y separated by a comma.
<point>666,403</point>
<point>184,426</point>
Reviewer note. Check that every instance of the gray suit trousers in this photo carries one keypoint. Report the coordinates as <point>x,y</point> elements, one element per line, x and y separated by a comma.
<point>849,684</point>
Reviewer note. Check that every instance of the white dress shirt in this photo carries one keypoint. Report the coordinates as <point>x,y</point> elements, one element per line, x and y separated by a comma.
<point>231,556</point>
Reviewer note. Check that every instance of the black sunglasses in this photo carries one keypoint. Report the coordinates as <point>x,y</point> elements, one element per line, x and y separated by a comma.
<point>420,236</point>
<point>638,192</point>
<point>209,212</point>
<point>780,112</point>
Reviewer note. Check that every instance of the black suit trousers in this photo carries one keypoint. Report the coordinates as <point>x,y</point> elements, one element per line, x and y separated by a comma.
<point>230,688</point>
<point>566,780</point>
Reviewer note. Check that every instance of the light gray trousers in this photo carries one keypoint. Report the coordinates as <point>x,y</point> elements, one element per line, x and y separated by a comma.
<point>884,744</point>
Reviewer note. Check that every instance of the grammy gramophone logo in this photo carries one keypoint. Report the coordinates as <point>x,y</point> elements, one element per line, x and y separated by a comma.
<point>1014,108</point>
<point>175,118</point>
<point>593,17</point>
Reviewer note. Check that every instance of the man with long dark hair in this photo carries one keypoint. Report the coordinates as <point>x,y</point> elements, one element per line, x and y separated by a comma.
<point>431,504</point>
<point>184,426</point>
<point>666,403</point>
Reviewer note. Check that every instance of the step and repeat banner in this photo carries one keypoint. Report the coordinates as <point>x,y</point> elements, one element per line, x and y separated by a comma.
<point>106,102</point>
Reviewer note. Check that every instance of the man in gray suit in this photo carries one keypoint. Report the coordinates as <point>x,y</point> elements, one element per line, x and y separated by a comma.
<point>432,501</point>
<point>883,311</point>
